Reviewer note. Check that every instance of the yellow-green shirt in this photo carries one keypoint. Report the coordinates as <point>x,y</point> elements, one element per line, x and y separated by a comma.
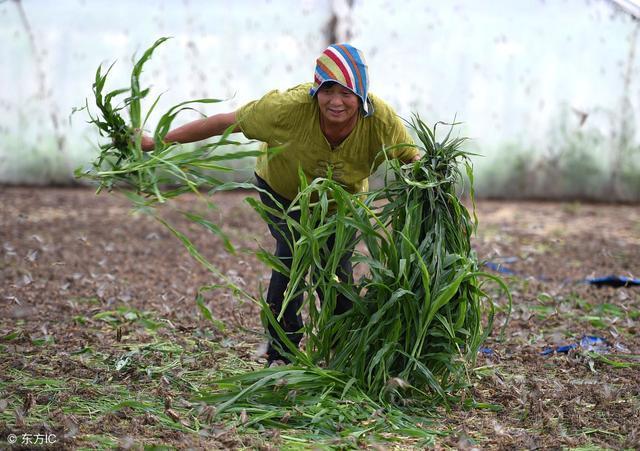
<point>291,119</point>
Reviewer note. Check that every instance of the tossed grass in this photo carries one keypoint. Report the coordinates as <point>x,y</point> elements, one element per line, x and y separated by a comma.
<point>122,162</point>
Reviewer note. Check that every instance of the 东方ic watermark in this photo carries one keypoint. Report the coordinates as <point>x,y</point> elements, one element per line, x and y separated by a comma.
<point>32,439</point>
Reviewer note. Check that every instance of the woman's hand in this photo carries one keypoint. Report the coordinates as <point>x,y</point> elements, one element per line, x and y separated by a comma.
<point>147,143</point>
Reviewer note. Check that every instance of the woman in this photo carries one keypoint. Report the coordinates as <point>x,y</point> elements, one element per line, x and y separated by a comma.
<point>331,125</point>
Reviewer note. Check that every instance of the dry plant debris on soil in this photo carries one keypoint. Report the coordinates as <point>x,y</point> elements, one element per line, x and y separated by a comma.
<point>102,344</point>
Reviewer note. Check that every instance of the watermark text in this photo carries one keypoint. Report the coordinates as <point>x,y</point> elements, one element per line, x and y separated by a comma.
<point>32,439</point>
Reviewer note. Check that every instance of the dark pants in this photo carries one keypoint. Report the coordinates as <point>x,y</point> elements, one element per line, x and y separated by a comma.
<point>291,320</point>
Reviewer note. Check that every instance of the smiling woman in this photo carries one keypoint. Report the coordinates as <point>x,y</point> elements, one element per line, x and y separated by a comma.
<point>331,128</point>
<point>338,112</point>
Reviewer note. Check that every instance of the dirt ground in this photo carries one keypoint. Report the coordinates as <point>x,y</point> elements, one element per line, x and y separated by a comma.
<point>91,292</point>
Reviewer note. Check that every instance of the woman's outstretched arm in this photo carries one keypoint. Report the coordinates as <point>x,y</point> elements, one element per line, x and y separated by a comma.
<point>196,130</point>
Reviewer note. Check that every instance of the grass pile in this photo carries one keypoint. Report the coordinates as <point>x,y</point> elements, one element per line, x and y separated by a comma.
<point>419,315</point>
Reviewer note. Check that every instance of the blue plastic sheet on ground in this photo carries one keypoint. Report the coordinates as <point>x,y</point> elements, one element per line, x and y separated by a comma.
<point>498,267</point>
<point>613,281</point>
<point>609,281</point>
<point>586,343</point>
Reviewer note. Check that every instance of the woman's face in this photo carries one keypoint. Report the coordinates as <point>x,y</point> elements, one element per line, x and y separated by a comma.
<point>338,105</point>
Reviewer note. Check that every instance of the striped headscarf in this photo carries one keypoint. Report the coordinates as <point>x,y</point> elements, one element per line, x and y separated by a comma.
<point>344,64</point>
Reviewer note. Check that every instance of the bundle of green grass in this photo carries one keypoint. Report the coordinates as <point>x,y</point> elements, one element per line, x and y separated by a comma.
<point>121,161</point>
<point>417,316</point>
<point>419,313</point>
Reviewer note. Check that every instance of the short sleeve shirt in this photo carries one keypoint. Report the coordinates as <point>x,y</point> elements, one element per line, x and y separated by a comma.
<point>291,120</point>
